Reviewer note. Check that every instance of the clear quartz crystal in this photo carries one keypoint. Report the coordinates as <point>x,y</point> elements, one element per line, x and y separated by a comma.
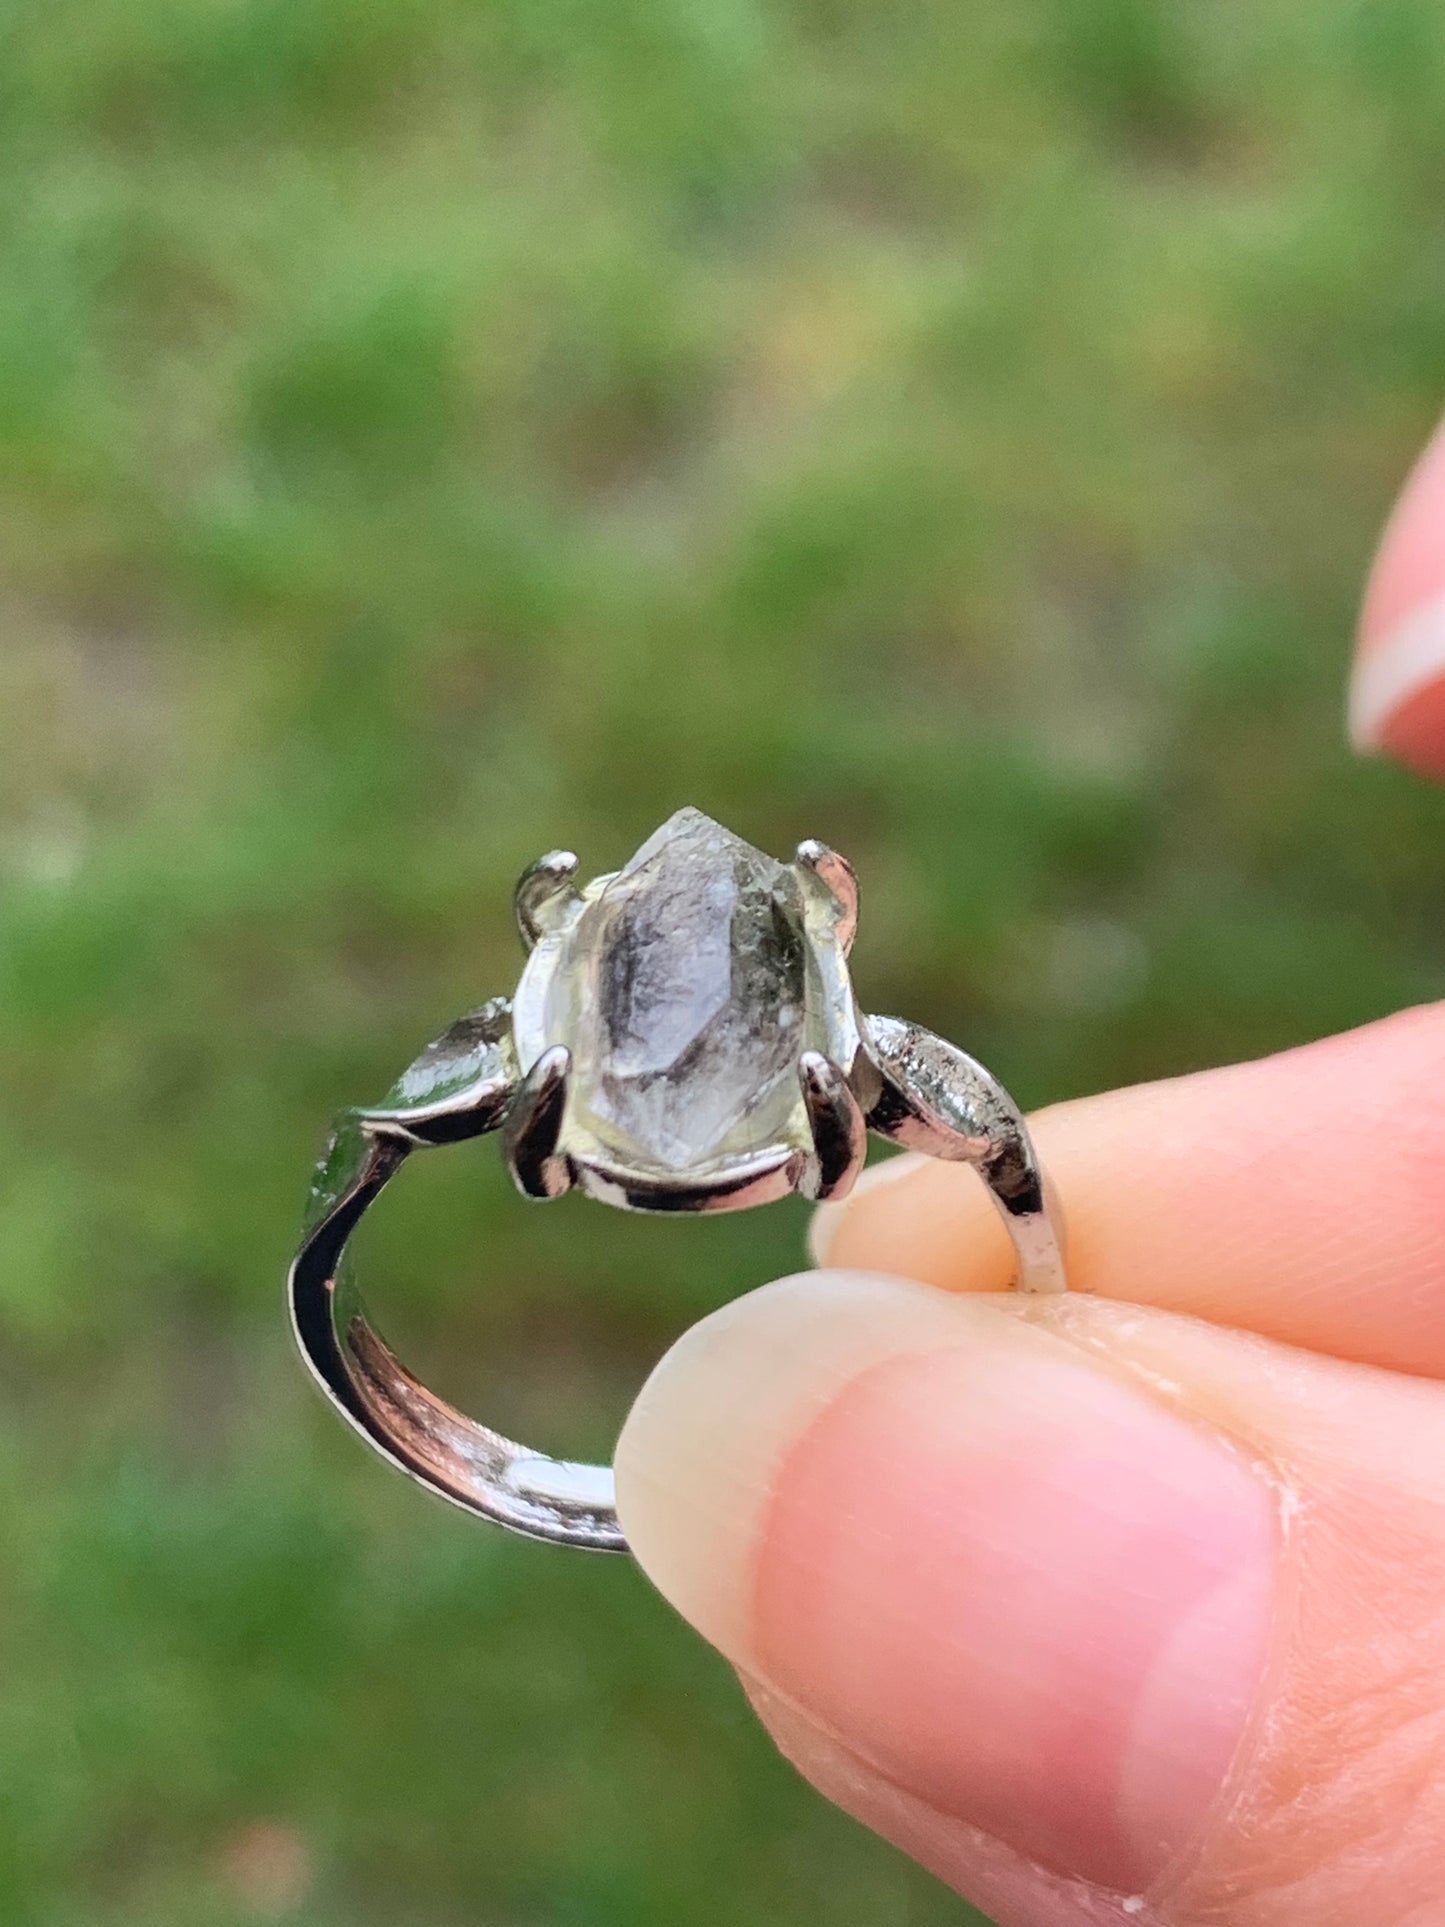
<point>686,990</point>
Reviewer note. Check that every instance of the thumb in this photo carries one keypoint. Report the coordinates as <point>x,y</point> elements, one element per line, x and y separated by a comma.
<point>1103,1613</point>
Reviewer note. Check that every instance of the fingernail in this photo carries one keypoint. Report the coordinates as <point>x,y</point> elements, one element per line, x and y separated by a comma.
<point>1397,691</point>
<point>1021,1589</point>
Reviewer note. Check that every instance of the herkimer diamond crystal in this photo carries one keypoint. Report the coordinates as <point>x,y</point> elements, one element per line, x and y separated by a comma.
<point>686,989</point>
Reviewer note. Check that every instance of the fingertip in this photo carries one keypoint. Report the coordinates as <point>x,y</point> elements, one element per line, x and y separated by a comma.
<point>1397,687</point>
<point>916,1514</point>
<point>698,1457</point>
<point>922,1218</point>
<point>829,1227</point>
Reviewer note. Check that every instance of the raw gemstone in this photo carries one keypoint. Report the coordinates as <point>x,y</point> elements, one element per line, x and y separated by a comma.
<point>686,990</point>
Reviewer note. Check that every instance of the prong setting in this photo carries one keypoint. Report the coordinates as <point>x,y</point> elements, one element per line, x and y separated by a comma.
<point>546,897</point>
<point>533,1126</point>
<point>835,873</point>
<point>840,1136</point>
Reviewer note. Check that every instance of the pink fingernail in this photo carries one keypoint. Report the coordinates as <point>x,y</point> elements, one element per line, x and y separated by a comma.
<point>1397,693</point>
<point>1027,1594</point>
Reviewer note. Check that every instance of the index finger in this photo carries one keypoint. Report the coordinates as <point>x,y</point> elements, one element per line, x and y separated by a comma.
<point>1301,1197</point>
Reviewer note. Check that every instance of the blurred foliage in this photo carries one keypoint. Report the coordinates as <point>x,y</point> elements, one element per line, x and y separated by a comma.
<point>438,430</point>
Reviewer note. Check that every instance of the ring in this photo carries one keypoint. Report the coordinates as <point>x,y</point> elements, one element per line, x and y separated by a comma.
<point>684,1037</point>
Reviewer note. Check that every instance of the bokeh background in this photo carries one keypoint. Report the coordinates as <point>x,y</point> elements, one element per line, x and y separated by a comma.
<point>436,430</point>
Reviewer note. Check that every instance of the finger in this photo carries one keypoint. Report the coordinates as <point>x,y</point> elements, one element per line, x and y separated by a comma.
<point>1000,1881</point>
<point>1302,1197</point>
<point>1397,693</point>
<point>1103,1613</point>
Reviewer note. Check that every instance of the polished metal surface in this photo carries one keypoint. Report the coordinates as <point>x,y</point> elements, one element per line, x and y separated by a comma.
<point>839,1130</point>
<point>546,895</point>
<point>501,1068</point>
<point>532,1128</point>
<point>837,873</point>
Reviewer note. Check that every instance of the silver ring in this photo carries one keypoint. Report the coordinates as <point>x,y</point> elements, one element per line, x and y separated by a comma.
<point>684,1037</point>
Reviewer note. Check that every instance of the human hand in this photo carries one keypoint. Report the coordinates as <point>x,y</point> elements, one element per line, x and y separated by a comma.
<point>1127,1606</point>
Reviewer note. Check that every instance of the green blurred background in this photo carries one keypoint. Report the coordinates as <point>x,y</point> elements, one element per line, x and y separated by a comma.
<point>436,430</point>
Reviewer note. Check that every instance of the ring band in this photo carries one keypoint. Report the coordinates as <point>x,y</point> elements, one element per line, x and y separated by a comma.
<point>684,1038</point>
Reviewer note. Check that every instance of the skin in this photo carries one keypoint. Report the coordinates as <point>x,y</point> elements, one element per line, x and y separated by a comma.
<point>1127,1606</point>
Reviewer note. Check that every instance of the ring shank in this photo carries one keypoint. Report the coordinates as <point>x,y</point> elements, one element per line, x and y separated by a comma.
<point>454,1456</point>
<point>563,1500</point>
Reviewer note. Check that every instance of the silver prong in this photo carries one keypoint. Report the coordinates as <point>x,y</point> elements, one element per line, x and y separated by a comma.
<point>840,1137</point>
<point>533,1125</point>
<point>546,895</point>
<point>836,872</point>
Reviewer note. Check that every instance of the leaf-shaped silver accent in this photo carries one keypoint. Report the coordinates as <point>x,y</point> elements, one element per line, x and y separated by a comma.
<point>458,1087</point>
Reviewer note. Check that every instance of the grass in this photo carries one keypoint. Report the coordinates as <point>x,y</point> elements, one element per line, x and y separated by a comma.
<point>434,432</point>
